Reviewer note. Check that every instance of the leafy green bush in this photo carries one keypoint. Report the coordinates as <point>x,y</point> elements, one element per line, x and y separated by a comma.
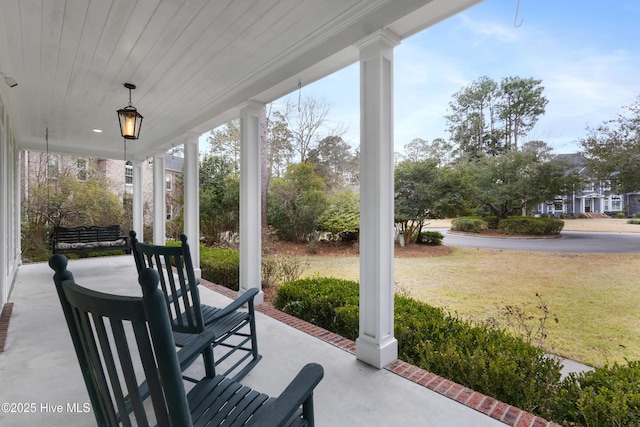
<point>323,302</point>
<point>487,360</point>
<point>348,321</point>
<point>296,201</point>
<point>342,217</point>
<point>469,224</point>
<point>220,266</point>
<point>620,215</point>
<point>492,222</point>
<point>633,221</point>
<point>482,358</point>
<point>432,238</point>
<point>582,216</point>
<point>608,396</point>
<point>531,225</point>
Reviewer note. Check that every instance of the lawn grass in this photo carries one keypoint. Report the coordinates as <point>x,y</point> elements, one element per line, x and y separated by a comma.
<point>594,296</point>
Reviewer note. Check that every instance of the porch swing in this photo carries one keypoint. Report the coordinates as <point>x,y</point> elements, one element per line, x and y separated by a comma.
<point>84,239</point>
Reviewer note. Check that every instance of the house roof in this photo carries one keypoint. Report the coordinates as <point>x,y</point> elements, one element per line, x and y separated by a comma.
<point>173,163</point>
<point>193,61</point>
<point>577,162</point>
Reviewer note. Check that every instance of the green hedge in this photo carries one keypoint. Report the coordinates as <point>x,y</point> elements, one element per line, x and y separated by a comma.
<point>431,238</point>
<point>469,224</point>
<point>492,222</point>
<point>608,396</point>
<point>487,360</point>
<point>329,303</point>
<point>531,225</point>
<point>220,266</point>
<point>482,358</point>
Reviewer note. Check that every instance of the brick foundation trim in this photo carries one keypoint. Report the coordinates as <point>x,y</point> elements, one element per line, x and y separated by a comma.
<point>500,411</point>
<point>5,317</point>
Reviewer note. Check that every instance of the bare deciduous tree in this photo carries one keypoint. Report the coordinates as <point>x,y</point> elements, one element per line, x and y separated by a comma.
<point>305,119</point>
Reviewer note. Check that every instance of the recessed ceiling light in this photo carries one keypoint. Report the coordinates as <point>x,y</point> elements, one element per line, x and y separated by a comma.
<point>97,130</point>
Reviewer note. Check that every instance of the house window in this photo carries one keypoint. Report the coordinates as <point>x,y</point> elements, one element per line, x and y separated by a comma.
<point>53,166</point>
<point>558,204</point>
<point>169,213</point>
<point>168,181</point>
<point>588,186</point>
<point>128,172</point>
<point>616,203</point>
<point>82,169</point>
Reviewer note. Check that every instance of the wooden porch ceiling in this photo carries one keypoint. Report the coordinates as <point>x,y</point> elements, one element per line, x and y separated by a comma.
<point>193,61</point>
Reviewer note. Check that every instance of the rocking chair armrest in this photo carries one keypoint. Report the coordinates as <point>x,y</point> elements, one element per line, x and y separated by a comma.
<point>190,352</point>
<point>298,392</point>
<point>235,305</point>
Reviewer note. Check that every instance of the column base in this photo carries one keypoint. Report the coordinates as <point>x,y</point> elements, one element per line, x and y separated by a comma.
<point>376,355</point>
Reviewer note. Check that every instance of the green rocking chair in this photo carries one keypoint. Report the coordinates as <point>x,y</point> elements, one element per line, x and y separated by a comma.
<point>132,371</point>
<point>234,330</point>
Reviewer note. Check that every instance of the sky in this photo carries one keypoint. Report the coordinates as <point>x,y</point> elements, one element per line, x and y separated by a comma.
<point>586,52</point>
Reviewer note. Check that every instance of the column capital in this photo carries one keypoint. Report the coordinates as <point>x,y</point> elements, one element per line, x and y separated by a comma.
<point>384,37</point>
<point>191,137</point>
<point>251,106</point>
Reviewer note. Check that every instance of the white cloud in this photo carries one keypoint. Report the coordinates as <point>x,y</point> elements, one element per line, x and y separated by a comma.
<point>484,30</point>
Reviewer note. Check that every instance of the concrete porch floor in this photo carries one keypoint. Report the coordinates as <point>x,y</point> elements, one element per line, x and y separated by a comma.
<point>39,367</point>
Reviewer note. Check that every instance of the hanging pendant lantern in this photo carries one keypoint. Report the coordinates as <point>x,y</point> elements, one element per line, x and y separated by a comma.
<point>129,118</point>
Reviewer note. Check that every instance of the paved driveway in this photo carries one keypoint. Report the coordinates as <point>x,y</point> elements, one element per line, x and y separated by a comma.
<point>570,241</point>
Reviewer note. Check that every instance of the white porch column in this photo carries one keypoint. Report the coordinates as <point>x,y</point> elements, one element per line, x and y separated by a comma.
<point>159,200</point>
<point>138,214</point>
<point>376,344</point>
<point>250,197</point>
<point>192,198</point>
<point>17,223</point>
<point>9,210</point>
<point>5,257</point>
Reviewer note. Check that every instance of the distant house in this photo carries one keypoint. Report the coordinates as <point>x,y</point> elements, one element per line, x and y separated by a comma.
<point>594,198</point>
<point>39,167</point>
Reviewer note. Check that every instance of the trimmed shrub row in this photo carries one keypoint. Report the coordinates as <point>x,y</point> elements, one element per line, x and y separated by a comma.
<point>431,238</point>
<point>482,358</point>
<point>531,225</point>
<point>608,396</point>
<point>511,225</point>
<point>487,360</point>
<point>220,266</point>
<point>469,224</point>
<point>325,302</point>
